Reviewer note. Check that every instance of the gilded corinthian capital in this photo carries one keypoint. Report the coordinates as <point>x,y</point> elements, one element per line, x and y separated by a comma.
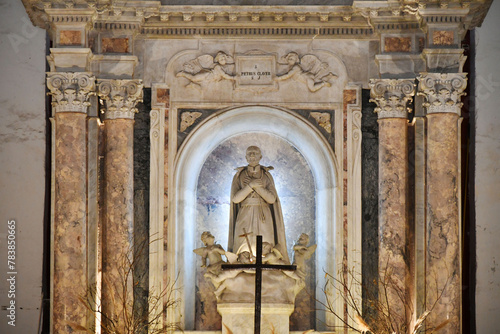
<point>392,96</point>
<point>442,91</point>
<point>119,97</point>
<point>70,91</point>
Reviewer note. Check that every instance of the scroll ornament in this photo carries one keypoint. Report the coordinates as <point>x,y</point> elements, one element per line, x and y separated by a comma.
<point>119,97</point>
<point>392,97</point>
<point>442,91</point>
<point>71,91</point>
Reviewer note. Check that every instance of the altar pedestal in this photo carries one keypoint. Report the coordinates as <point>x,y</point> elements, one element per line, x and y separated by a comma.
<point>238,318</point>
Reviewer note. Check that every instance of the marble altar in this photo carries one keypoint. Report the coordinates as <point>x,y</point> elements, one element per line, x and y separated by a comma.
<point>215,72</point>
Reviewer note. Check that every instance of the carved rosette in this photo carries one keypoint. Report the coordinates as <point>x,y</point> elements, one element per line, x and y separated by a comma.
<point>71,91</point>
<point>392,97</point>
<point>442,91</point>
<point>119,97</point>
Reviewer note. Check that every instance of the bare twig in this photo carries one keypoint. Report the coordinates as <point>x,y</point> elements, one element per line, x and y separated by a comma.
<point>385,320</point>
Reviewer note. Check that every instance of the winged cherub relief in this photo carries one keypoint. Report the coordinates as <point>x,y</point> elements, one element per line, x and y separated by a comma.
<point>308,70</point>
<point>207,69</point>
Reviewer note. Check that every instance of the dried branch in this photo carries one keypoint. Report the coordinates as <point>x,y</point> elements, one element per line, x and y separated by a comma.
<point>385,321</point>
<point>129,321</point>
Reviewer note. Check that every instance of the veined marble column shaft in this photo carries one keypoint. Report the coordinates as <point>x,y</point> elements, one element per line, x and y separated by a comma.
<point>392,97</point>
<point>119,98</point>
<point>70,93</point>
<point>443,260</point>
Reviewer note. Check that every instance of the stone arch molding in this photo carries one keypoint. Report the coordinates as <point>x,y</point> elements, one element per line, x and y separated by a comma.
<point>187,166</point>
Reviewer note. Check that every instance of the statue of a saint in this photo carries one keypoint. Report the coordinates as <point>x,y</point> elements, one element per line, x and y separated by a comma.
<point>255,208</point>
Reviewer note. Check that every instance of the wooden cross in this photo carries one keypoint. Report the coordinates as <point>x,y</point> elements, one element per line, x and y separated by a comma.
<point>258,266</point>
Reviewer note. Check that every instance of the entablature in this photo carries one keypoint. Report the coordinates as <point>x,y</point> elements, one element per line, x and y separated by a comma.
<point>359,19</point>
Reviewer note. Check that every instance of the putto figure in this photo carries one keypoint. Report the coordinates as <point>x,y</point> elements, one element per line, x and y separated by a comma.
<point>207,69</point>
<point>308,70</point>
<point>255,207</point>
<point>212,251</point>
<point>301,253</point>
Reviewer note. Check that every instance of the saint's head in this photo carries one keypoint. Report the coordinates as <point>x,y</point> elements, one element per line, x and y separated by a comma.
<point>253,155</point>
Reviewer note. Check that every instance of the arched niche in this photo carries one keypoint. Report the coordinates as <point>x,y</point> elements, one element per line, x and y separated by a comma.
<point>190,158</point>
<point>295,186</point>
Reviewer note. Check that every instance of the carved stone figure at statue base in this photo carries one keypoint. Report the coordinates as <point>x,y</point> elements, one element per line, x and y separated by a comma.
<point>212,252</point>
<point>235,288</point>
<point>301,253</point>
<point>277,287</point>
<point>237,318</point>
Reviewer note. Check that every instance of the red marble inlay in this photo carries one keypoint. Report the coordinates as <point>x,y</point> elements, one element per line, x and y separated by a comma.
<point>70,37</point>
<point>162,95</point>
<point>115,45</point>
<point>421,44</point>
<point>442,37</point>
<point>397,44</point>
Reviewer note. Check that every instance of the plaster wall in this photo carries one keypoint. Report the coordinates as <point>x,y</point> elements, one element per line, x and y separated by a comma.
<point>22,156</point>
<point>487,183</point>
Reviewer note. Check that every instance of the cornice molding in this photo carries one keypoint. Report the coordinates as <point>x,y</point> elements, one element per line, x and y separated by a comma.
<point>151,15</point>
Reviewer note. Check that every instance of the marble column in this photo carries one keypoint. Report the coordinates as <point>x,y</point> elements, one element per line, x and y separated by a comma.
<point>443,254</point>
<point>70,93</point>
<point>119,98</point>
<point>392,97</point>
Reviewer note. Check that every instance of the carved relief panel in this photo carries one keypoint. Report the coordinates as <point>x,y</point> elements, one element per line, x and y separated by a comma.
<point>275,75</point>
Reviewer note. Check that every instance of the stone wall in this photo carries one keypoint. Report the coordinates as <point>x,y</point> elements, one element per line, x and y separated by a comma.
<point>22,162</point>
<point>487,179</point>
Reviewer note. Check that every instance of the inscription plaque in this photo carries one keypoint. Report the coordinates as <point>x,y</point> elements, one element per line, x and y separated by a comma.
<point>257,71</point>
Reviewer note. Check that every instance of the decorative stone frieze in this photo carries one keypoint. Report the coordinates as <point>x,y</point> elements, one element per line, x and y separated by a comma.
<point>120,97</point>
<point>392,97</point>
<point>71,91</point>
<point>257,70</point>
<point>442,91</point>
